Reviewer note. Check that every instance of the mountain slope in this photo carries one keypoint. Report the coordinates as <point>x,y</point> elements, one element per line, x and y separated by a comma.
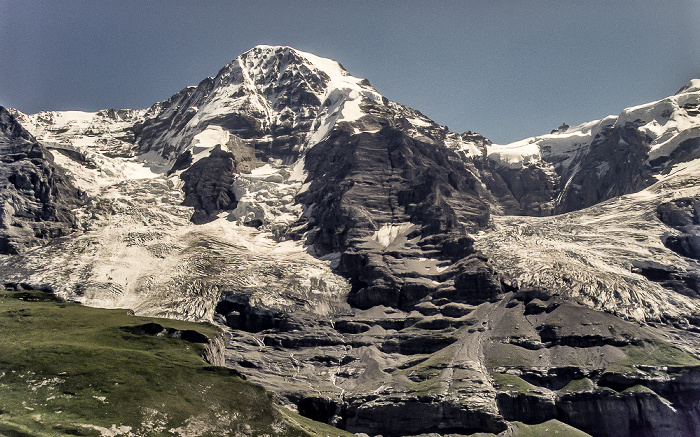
<point>73,370</point>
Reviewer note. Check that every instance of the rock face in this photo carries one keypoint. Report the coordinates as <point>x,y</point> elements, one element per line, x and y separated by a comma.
<point>577,167</point>
<point>36,197</point>
<point>377,271</point>
<point>384,200</point>
<point>269,97</point>
<point>683,215</point>
<point>209,186</point>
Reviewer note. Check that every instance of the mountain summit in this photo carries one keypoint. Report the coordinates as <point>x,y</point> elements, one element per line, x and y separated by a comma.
<point>379,272</point>
<point>280,94</point>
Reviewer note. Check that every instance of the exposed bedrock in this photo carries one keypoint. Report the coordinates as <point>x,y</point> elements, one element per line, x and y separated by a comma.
<point>605,412</point>
<point>242,312</point>
<point>208,185</point>
<point>684,216</point>
<point>614,163</point>
<point>384,200</point>
<point>592,371</point>
<point>533,188</point>
<point>419,415</point>
<point>642,414</point>
<point>680,281</point>
<point>281,76</point>
<point>447,366</point>
<point>36,197</point>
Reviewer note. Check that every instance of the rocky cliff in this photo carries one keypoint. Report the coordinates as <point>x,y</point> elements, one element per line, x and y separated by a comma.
<point>575,167</point>
<point>36,197</point>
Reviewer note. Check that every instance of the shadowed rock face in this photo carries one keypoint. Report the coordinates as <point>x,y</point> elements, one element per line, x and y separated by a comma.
<point>209,185</point>
<point>36,198</point>
<point>615,165</point>
<point>684,216</point>
<point>366,184</point>
<point>533,189</point>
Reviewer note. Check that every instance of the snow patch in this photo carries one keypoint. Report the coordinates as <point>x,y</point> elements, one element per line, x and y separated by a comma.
<point>388,233</point>
<point>515,155</point>
<point>209,138</point>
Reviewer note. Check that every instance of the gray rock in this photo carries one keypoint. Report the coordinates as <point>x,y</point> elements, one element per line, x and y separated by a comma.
<point>36,197</point>
<point>361,183</point>
<point>209,185</point>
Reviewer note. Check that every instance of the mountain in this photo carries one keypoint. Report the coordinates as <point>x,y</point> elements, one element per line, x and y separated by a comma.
<point>383,274</point>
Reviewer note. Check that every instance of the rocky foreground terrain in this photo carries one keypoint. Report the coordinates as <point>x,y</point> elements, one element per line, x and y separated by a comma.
<point>371,268</point>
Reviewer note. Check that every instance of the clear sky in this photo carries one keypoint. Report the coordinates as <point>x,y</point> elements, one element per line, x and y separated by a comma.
<point>506,69</point>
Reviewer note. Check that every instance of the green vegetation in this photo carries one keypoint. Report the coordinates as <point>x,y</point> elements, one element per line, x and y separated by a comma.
<point>509,355</point>
<point>507,382</point>
<point>656,353</point>
<point>66,369</point>
<point>638,389</point>
<point>578,385</point>
<point>548,428</point>
<point>426,374</point>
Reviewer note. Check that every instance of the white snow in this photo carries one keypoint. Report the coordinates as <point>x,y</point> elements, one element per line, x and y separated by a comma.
<point>668,122</point>
<point>263,170</point>
<point>515,155</point>
<point>209,138</point>
<point>388,233</point>
<point>563,146</point>
<point>76,117</point>
<point>345,92</point>
<point>419,122</point>
<point>99,132</point>
<point>691,87</point>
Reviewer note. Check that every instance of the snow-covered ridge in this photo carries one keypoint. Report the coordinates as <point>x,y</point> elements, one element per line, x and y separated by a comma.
<point>266,92</point>
<point>272,87</point>
<point>562,144</point>
<point>107,131</point>
<point>667,122</point>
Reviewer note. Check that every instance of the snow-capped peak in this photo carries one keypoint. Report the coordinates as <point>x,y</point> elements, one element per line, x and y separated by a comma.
<point>263,92</point>
<point>267,69</point>
<point>667,123</point>
<point>330,67</point>
<point>691,87</point>
<point>270,68</point>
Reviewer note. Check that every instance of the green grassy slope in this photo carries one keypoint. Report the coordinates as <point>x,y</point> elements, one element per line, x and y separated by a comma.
<point>66,369</point>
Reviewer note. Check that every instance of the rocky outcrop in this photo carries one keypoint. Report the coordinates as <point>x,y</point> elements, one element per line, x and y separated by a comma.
<point>208,185</point>
<point>271,100</point>
<point>684,216</point>
<point>615,164</point>
<point>626,376</point>
<point>382,199</point>
<point>108,132</point>
<point>36,197</point>
<point>364,271</point>
<point>576,167</point>
<point>418,415</point>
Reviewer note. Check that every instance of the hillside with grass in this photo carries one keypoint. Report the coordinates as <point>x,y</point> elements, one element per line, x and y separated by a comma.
<point>66,369</point>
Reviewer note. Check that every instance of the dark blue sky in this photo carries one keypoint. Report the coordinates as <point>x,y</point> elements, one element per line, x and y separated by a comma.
<point>506,69</point>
